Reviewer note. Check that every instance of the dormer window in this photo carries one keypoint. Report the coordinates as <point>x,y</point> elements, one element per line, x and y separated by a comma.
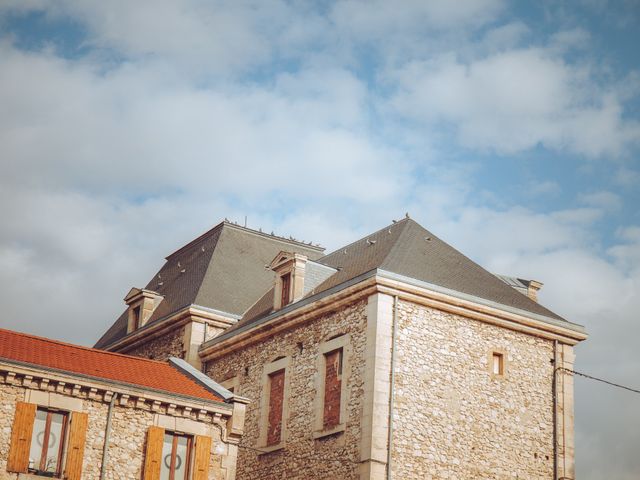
<point>289,278</point>
<point>286,289</point>
<point>136,317</point>
<point>141,304</point>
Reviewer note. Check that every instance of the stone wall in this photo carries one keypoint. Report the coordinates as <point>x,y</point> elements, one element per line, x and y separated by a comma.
<point>454,418</point>
<point>170,344</point>
<point>127,439</point>
<point>303,457</point>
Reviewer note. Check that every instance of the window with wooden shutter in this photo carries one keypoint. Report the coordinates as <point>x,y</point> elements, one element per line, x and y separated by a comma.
<point>21,434</point>
<point>153,457</point>
<point>75,446</point>
<point>201,458</point>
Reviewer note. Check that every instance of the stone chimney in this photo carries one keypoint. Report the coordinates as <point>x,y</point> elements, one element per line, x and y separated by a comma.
<point>533,288</point>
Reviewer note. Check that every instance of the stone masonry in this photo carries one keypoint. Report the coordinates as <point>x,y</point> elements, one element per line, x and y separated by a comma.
<point>131,419</point>
<point>454,419</point>
<point>302,457</point>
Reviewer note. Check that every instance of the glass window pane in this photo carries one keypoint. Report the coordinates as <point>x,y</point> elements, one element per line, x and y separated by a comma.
<point>55,442</point>
<point>37,439</point>
<point>165,465</point>
<point>181,459</point>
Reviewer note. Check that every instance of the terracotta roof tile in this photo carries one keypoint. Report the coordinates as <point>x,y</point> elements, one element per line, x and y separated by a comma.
<point>70,358</point>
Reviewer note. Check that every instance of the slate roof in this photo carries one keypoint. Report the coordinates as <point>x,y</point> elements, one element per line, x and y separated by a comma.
<point>98,364</point>
<point>408,249</point>
<point>223,269</point>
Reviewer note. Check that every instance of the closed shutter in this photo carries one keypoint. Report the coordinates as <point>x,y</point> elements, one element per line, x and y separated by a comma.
<point>201,458</point>
<point>153,457</point>
<point>75,446</point>
<point>18,460</point>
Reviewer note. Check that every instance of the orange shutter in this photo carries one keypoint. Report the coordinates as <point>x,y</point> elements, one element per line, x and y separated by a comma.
<point>21,437</point>
<point>153,457</point>
<point>75,445</point>
<point>201,458</point>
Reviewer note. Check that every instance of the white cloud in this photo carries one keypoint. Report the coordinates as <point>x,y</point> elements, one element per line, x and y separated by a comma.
<point>515,100</point>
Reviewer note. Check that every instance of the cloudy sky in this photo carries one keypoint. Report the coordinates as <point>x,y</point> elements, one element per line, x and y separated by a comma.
<point>510,130</point>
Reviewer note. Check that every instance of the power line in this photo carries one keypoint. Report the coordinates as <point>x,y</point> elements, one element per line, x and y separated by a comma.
<point>591,377</point>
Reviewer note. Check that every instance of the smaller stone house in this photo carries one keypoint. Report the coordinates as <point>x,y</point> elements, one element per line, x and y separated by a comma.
<point>73,412</point>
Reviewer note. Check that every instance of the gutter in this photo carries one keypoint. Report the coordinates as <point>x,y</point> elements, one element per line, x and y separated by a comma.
<point>107,434</point>
<point>394,326</point>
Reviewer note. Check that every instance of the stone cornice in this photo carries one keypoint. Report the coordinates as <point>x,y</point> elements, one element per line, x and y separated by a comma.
<point>158,328</point>
<point>565,332</point>
<point>84,387</point>
<point>385,282</point>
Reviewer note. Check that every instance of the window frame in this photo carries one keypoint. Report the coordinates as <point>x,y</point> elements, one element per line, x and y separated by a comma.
<point>174,445</point>
<point>265,403</point>
<point>503,365</point>
<point>341,342</point>
<point>45,448</point>
<point>285,289</point>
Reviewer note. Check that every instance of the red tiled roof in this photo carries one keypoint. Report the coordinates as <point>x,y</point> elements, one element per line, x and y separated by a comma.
<point>70,358</point>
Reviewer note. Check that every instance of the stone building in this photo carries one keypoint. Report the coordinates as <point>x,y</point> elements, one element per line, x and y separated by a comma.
<point>393,357</point>
<point>74,412</point>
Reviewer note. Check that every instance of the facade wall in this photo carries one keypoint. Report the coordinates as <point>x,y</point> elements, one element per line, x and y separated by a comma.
<point>333,456</point>
<point>453,418</point>
<point>161,348</point>
<point>127,438</point>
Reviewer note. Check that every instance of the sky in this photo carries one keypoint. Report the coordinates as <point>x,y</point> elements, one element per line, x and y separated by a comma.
<point>509,129</point>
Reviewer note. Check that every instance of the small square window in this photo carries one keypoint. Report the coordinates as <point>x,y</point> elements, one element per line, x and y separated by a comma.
<point>497,366</point>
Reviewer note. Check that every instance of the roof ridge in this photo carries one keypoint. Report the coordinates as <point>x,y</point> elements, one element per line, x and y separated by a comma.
<point>227,223</point>
<point>81,347</point>
<point>196,240</point>
<point>395,244</point>
<point>386,227</point>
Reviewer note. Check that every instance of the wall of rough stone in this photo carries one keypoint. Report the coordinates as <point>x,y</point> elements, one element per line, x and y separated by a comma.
<point>453,418</point>
<point>171,344</point>
<point>303,457</point>
<point>126,445</point>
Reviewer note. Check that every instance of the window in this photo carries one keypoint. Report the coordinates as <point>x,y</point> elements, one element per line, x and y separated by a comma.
<point>497,363</point>
<point>172,455</point>
<point>47,440</point>
<point>286,289</point>
<point>176,455</point>
<point>274,405</point>
<point>136,317</point>
<point>39,437</point>
<point>331,387</point>
<point>274,418</point>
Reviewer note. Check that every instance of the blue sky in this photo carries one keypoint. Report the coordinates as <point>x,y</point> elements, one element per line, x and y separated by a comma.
<point>511,130</point>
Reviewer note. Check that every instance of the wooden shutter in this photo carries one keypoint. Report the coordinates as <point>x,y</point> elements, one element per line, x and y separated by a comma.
<point>201,458</point>
<point>75,446</point>
<point>153,457</point>
<point>21,437</point>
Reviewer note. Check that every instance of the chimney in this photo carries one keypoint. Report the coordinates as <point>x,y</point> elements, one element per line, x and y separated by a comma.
<point>533,288</point>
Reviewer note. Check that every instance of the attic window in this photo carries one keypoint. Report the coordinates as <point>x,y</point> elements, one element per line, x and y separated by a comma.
<point>136,317</point>
<point>286,289</point>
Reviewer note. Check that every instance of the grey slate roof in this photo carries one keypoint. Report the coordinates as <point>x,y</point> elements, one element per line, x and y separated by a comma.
<point>406,248</point>
<point>223,269</point>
